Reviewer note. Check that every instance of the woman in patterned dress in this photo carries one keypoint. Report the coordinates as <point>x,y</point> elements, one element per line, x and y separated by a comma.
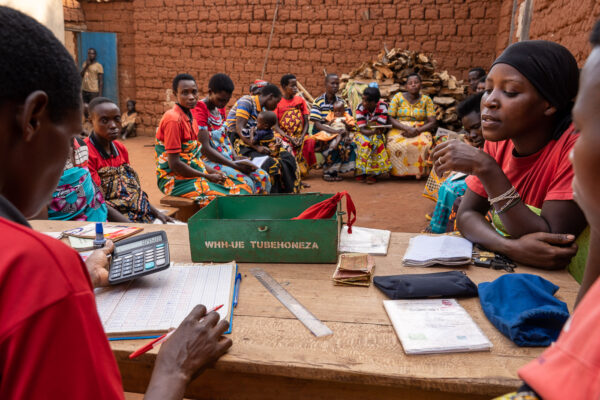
<point>180,169</point>
<point>217,150</point>
<point>409,146</point>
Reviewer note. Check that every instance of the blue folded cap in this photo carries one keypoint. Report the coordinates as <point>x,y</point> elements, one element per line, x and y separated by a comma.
<point>523,308</point>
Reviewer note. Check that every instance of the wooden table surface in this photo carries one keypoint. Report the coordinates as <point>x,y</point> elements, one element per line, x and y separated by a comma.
<point>275,357</point>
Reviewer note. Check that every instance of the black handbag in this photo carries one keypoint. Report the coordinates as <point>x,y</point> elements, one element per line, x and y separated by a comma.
<point>415,286</point>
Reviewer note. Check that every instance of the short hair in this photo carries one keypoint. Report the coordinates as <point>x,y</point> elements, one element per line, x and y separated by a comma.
<point>482,79</point>
<point>131,101</point>
<point>339,102</point>
<point>91,48</point>
<point>179,78</point>
<point>372,94</point>
<point>285,80</point>
<point>269,117</point>
<point>469,105</point>
<point>221,83</point>
<point>414,74</point>
<point>480,71</point>
<point>329,76</point>
<point>595,36</point>
<point>96,101</point>
<point>33,59</point>
<point>269,88</point>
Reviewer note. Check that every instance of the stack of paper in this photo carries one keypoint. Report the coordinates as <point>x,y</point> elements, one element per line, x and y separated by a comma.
<point>364,240</point>
<point>435,326</point>
<point>424,251</point>
<point>112,232</point>
<point>354,269</point>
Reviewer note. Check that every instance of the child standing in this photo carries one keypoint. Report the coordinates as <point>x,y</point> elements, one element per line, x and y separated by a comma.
<point>371,156</point>
<point>292,116</point>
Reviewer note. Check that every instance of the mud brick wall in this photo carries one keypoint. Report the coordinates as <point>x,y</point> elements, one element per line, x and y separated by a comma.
<point>73,13</point>
<point>160,38</point>
<point>568,22</point>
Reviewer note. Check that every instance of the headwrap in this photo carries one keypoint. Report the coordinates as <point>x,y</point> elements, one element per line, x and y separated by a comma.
<point>258,84</point>
<point>551,69</point>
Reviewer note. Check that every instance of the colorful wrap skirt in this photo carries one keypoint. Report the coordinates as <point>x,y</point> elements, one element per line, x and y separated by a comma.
<point>196,188</point>
<point>371,155</point>
<point>409,156</point>
<point>123,192</point>
<point>77,198</point>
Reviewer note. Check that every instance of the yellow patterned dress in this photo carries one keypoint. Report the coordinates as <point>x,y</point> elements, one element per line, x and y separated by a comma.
<point>409,156</point>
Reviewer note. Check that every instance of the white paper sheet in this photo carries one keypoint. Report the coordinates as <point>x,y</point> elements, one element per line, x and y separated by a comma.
<point>364,240</point>
<point>259,161</point>
<point>435,326</point>
<point>160,301</point>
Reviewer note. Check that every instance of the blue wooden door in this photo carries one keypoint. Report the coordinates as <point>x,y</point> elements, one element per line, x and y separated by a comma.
<point>106,54</point>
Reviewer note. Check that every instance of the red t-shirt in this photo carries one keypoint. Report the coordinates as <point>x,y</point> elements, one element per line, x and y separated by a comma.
<point>206,120</point>
<point>98,158</point>
<point>175,128</point>
<point>285,105</point>
<point>545,175</point>
<point>570,367</point>
<point>52,344</point>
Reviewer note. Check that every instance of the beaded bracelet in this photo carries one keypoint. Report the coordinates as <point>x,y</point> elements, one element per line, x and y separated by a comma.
<point>509,194</point>
<point>509,204</point>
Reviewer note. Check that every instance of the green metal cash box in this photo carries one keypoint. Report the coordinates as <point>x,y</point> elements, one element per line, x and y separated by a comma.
<point>260,229</point>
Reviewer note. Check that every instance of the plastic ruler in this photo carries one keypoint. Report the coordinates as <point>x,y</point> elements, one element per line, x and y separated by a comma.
<point>313,324</point>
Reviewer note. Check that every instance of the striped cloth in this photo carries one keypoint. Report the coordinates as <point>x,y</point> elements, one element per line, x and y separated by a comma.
<point>247,107</point>
<point>320,108</point>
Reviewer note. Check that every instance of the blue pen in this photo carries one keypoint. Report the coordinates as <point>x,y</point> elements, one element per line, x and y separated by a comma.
<point>236,289</point>
<point>99,241</point>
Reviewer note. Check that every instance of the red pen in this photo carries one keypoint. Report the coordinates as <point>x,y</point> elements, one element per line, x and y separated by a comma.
<point>154,343</point>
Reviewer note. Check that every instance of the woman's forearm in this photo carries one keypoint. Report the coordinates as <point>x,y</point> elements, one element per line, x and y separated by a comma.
<point>518,220</point>
<point>428,126</point>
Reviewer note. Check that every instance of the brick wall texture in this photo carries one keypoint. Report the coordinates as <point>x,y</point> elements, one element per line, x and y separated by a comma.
<point>159,38</point>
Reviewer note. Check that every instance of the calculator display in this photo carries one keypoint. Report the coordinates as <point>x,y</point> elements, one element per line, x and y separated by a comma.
<point>141,243</point>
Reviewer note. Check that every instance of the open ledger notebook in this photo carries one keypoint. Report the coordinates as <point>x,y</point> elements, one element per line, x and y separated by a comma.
<point>152,304</point>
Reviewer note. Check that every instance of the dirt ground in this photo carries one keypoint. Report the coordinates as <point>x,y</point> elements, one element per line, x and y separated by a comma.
<point>393,204</point>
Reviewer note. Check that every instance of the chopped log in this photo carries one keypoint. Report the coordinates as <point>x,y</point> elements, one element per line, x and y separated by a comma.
<point>444,101</point>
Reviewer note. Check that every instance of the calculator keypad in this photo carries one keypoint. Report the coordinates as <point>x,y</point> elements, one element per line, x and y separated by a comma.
<point>142,260</point>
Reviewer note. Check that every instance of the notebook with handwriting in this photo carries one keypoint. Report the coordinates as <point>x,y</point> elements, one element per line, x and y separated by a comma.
<point>154,303</point>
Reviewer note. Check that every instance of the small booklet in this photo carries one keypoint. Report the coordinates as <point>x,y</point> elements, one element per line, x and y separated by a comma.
<point>154,303</point>
<point>259,161</point>
<point>354,269</point>
<point>424,251</point>
<point>111,231</point>
<point>435,326</point>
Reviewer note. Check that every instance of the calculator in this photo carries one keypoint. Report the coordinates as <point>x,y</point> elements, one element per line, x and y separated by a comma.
<point>138,256</point>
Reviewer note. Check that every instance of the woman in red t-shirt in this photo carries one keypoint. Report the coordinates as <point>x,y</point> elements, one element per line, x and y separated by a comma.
<point>524,174</point>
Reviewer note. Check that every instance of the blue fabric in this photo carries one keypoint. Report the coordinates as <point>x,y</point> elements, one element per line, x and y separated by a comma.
<point>447,194</point>
<point>523,308</point>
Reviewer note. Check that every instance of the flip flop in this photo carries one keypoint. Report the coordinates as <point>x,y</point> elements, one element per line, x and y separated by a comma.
<point>360,178</point>
<point>371,180</point>
<point>328,178</point>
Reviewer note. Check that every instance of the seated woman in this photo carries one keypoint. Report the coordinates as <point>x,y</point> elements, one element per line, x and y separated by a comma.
<point>454,186</point>
<point>77,197</point>
<point>217,150</point>
<point>292,116</point>
<point>410,145</point>
<point>180,170</point>
<point>110,168</point>
<point>524,174</point>
<point>371,157</point>
<point>283,170</point>
<point>569,368</point>
<point>341,158</point>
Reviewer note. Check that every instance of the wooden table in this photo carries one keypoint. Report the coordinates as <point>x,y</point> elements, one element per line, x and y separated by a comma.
<point>275,357</point>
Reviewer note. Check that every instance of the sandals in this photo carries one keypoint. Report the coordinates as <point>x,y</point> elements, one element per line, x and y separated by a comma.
<point>371,180</point>
<point>360,178</point>
<point>329,178</point>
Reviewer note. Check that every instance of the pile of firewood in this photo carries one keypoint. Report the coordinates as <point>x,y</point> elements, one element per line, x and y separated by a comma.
<point>391,69</point>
